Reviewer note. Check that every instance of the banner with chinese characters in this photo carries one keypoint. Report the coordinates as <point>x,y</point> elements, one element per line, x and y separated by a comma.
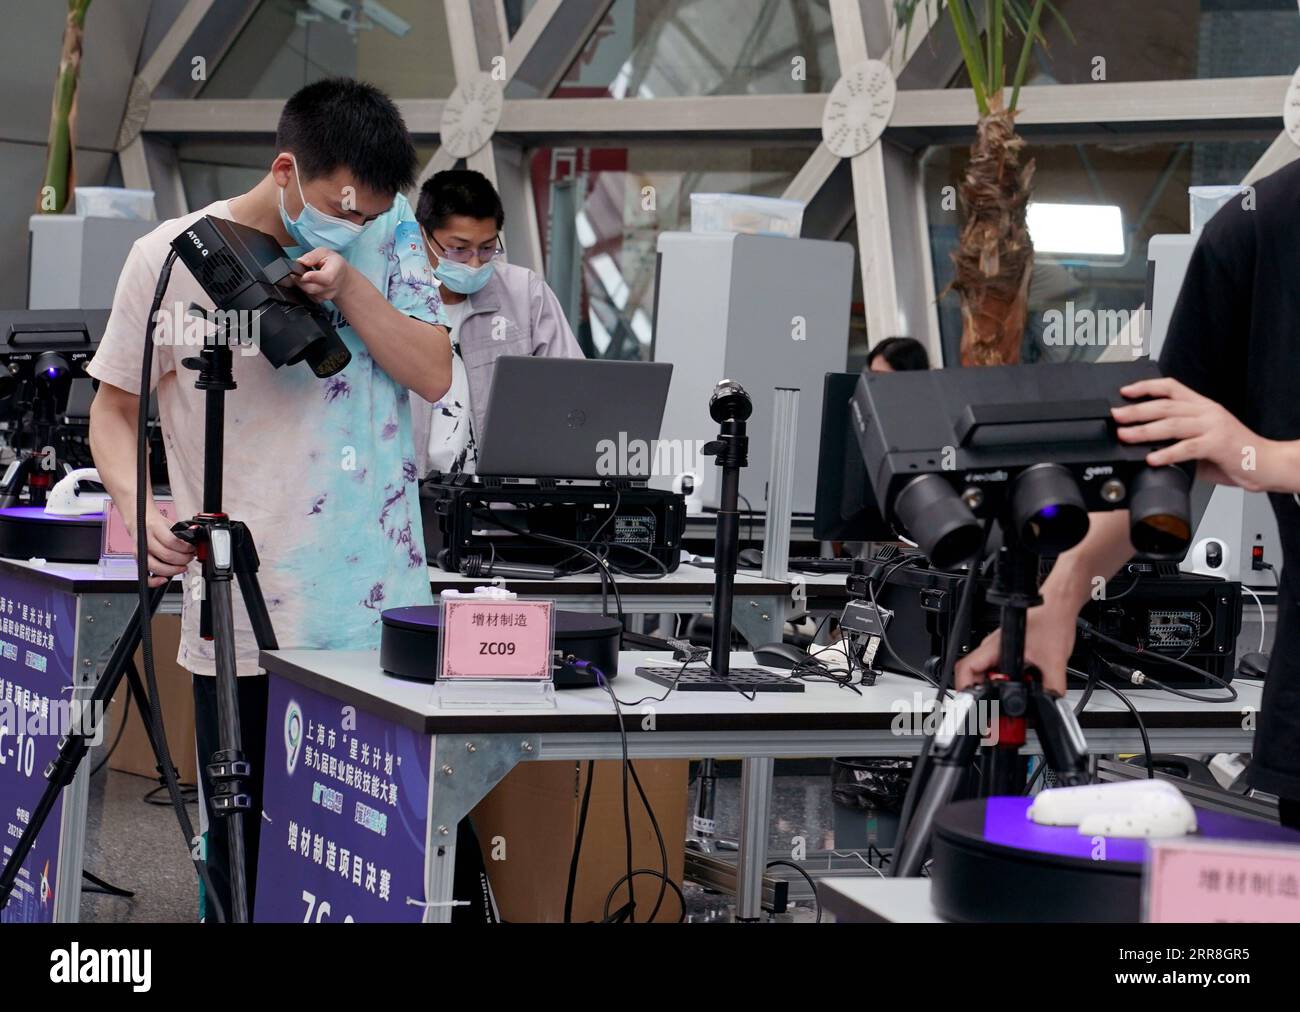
<point>38,633</point>
<point>345,813</point>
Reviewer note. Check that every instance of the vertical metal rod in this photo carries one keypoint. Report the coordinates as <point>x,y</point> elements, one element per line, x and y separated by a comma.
<point>780,486</point>
<point>755,814</point>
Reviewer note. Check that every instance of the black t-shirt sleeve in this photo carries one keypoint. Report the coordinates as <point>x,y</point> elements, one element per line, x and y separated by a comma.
<point>1209,333</point>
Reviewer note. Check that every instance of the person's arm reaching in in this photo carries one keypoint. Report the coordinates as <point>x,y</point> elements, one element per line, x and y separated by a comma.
<point>1049,635</point>
<point>417,355</point>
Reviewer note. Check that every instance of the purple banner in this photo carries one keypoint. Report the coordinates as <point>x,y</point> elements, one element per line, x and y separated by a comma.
<point>345,813</point>
<point>37,637</point>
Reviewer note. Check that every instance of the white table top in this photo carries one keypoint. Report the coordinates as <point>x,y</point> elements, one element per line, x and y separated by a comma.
<point>355,677</point>
<point>77,577</point>
<point>868,899</point>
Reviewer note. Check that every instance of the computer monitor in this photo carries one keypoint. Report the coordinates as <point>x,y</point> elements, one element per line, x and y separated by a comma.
<point>846,507</point>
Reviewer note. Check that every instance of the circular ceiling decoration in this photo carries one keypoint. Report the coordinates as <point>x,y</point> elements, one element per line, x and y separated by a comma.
<point>471,115</point>
<point>859,108</point>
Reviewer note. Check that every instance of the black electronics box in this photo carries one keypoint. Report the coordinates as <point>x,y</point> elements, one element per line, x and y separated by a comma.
<point>1169,613</point>
<point>471,520</point>
<point>1153,606</point>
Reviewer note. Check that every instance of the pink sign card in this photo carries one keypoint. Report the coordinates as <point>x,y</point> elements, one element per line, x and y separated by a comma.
<point>117,543</point>
<point>487,639</point>
<point>1192,880</point>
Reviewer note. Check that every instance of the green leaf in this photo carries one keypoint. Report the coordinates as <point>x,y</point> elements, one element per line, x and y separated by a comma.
<point>1025,50</point>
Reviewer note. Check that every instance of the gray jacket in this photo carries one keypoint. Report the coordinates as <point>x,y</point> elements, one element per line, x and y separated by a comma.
<point>515,313</point>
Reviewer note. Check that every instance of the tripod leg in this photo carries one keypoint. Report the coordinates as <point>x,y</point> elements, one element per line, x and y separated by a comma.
<point>246,565</point>
<point>139,694</point>
<point>228,767</point>
<point>1064,747</point>
<point>955,746</point>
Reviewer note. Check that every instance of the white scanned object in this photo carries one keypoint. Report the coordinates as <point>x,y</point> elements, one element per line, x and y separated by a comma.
<point>64,501</point>
<point>1135,808</point>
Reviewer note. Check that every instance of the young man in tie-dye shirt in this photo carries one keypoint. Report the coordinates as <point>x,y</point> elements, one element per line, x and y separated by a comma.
<point>323,472</point>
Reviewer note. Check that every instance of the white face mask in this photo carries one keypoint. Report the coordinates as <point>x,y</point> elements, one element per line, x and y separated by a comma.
<point>460,278</point>
<point>315,229</point>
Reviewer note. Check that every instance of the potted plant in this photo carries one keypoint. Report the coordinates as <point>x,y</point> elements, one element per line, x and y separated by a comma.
<point>994,258</point>
<point>60,168</point>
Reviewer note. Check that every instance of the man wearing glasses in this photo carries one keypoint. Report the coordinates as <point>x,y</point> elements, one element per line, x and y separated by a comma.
<point>495,309</point>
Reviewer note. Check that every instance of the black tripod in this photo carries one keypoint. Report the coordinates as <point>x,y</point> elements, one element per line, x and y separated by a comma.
<point>226,552</point>
<point>34,472</point>
<point>1007,695</point>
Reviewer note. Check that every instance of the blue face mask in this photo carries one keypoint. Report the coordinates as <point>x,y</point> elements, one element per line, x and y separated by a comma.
<point>314,229</point>
<point>461,278</point>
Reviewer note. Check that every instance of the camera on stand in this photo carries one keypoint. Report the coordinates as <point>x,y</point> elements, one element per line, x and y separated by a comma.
<point>1030,451</point>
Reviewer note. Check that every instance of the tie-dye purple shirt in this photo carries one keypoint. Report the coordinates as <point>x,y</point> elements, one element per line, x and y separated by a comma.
<point>322,471</point>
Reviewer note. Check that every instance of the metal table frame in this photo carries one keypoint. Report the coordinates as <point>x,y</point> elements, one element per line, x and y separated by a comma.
<point>104,603</point>
<point>467,763</point>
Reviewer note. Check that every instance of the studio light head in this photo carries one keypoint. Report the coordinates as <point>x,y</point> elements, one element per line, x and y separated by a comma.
<point>244,271</point>
<point>1031,447</point>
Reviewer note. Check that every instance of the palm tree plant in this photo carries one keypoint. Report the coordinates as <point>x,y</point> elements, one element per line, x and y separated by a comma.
<point>60,168</point>
<point>995,255</point>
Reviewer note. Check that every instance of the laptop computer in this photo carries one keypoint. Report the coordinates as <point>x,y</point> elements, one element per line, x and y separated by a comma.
<point>571,418</point>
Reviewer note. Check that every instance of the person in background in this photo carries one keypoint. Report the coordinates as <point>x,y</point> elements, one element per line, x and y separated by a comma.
<point>898,354</point>
<point>322,471</point>
<point>494,309</point>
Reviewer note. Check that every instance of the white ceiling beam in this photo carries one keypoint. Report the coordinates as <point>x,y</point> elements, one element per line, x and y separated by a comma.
<point>1212,100</point>
<point>1206,103</point>
<point>440,162</point>
<point>819,167</point>
<point>552,36</point>
<point>465,56</point>
<point>173,43</point>
<point>668,116</point>
<point>1281,153</point>
<point>870,193</point>
<point>146,81</point>
<point>812,177</point>
<point>134,165</point>
<point>250,117</point>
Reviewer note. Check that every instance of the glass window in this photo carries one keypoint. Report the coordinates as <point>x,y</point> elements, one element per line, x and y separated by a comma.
<point>403,48</point>
<point>1165,40</point>
<point>516,12</point>
<point>603,209</point>
<point>675,48</point>
<point>1131,192</point>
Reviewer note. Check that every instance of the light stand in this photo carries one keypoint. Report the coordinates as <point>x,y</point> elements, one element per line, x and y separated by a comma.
<point>225,550</point>
<point>731,407</point>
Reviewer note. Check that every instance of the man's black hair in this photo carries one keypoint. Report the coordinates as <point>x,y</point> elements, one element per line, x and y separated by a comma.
<point>461,192</point>
<point>344,123</point>
<point>904,354</point>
